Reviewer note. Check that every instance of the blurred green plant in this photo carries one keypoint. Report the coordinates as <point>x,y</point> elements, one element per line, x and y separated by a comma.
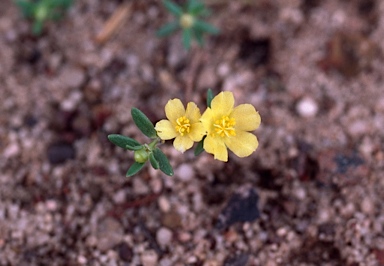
<point>187,18</point>
<point>41,11</point>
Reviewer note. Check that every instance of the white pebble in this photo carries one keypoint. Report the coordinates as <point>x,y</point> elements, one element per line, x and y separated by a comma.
<point>163,236</point>
<point>185,172</point>
<point>164,204</point>
<point>11,150</point>
<point>307,107</point>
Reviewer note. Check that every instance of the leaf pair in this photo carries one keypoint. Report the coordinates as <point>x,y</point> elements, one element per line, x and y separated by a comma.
<point>143,152</point>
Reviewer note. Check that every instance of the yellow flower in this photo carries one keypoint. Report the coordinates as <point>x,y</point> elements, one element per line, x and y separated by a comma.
<point>227,127</point>
<point>183,125</point>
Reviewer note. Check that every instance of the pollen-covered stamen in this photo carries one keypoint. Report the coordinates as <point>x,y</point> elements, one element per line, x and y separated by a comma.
<point>183,125</point>
<point>225,126</point>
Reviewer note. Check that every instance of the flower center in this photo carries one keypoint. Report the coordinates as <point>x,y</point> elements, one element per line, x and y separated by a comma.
<point>225,126</point>
<point>186,21</point>
<point>182,125</point>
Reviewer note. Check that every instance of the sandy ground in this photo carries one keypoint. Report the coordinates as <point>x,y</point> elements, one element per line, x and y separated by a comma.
<point>311,194</point>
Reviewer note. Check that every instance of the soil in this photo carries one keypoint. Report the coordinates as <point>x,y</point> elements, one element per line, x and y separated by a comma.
<point>312,193</point>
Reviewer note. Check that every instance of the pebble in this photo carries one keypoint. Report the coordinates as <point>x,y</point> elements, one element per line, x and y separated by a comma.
<point>11,150</point>
<point>139,186</point>
<point>367,206</point>
<point>149,258</point>
<point>125,252</point>
<point>59,152</point>
<point>223,69</point>
<point>72,77</point>
<point>72,101</point>
<point>82,260</point>
<point>185,172</point>
<point>171,219</point>
<point>163,236</point>
<point>307,107</point>
<point>164,204</point>
<point>119,196</point>
<point>207,78</point>
<point>109,234</point>
<point>51,205</point>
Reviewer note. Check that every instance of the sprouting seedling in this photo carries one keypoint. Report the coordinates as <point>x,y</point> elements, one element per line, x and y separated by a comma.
<point>188,19</point>
<point>42,10</point>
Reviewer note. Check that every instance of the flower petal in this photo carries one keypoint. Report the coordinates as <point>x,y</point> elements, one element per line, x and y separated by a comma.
<point>243,144</point>
<point>216,147</point>
<point>207,120</point>
<point>246,117</point>
<point>174,109</point>
<point>165,130</point>
<point>222,104</point>
<point>192,112</point>
<point>197,131</point>
<point>182,143</point>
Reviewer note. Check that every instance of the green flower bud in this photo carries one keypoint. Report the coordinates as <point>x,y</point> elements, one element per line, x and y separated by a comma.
<point>141,156</point>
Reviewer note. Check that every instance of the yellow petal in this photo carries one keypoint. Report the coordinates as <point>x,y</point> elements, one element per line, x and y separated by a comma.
<point>182,143</point>
<point>222,104</point>
<point>165,130</point>
<point>246,117</point>
<point>197,132</point>
<point>174,109</point>
<point>216,147</point>
<point>207,120</point>
<point>192,112</point>
<point>243,144</point>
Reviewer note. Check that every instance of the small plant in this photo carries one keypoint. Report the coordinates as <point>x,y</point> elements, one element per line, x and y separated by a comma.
<point>221,126</point>
<point>41,11</point>
<point>187,18</point>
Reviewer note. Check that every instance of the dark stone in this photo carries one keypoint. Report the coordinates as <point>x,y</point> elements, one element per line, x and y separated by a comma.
<point>242,207</point>
<point>60,152</point>
<point>341,167</point>
<point>255,51</point>
<point>346,161</point>
<point>125,252</point>
<point>238,260</point>
<point>30,121</point>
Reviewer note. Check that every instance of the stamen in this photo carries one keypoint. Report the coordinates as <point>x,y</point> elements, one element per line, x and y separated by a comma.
<point>224,127</point>
<point>183,125</point>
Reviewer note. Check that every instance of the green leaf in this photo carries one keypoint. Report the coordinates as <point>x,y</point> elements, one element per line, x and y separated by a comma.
<point>209,97</point>
<point>168,29</point>
<point>205,27</point>
<point>173,8</point>
<point>154,162</point>
<point>200,147</point>
<point>134,169</point>
<point>143,123</point>
<point>186,37</point>
<point>195,7</point>
<point>37,27</point>
<point>198,36</point>
<point>124,142</point>
<point>164,165</point>
<point>26,7</point>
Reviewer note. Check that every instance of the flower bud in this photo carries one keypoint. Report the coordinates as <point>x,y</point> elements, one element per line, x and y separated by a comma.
<point>141,156</point>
